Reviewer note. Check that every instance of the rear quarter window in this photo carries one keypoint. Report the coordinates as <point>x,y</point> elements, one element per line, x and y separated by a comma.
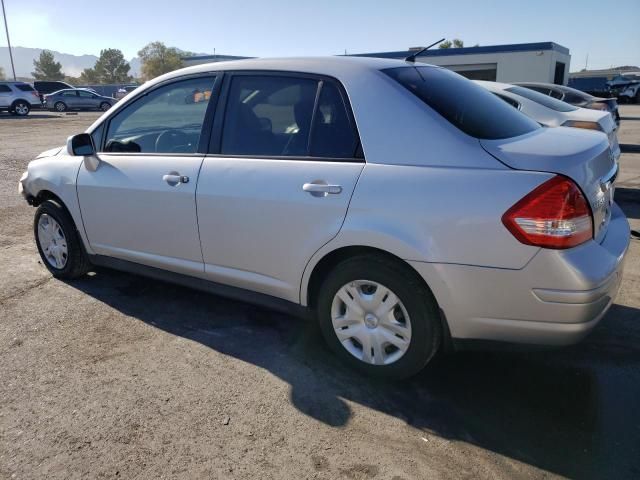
<point>469,107</point>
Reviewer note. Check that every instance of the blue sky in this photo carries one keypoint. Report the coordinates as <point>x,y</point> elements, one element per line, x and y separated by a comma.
<point>608,31</point>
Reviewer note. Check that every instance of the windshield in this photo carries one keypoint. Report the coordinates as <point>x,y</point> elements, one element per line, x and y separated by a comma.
<point>542,99</point>
<point>464,104</point>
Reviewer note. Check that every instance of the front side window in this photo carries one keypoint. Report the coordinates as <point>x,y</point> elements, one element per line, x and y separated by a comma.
<point>84,94</point>
<point>168,119</point>
<point>268,116</point>
<point>25,87</point>
<point>469,107</point>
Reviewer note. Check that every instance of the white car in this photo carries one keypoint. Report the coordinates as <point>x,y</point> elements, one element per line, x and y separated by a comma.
<point>403,217</point>
<point>552,112</point>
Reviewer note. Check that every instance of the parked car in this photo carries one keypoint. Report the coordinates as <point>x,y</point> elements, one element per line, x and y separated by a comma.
<point>551,112</point>
<point>575,97</point>
<point>45,87</point>
<point>406,207</point>
<point>77,99</point>
<point>18,98</point>
<point>123,91</point>
<point>626,87</point>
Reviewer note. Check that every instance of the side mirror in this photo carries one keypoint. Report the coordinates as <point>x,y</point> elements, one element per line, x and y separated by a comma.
<point>81,145</point>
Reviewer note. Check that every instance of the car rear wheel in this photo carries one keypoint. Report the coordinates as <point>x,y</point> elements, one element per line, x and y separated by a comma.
<point>21,108</point>
<point>104,106</point>
<point>60,107</point>
<point>379,317</point>
<point>58,242</point>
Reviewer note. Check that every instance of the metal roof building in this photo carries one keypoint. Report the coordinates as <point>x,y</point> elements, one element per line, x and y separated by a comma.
<point>520,62</point>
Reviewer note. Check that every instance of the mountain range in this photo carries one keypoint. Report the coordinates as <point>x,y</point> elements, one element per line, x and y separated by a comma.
<point>72,65</point>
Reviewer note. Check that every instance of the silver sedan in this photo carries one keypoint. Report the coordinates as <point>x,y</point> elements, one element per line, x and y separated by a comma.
<point>404,207</point>
<point>77,99</point>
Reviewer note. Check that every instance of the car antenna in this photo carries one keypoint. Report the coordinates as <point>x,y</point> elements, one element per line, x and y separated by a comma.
<point>412,58</point>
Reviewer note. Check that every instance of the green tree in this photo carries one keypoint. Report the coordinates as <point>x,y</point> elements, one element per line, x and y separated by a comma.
<point>111,67</point>
<point>456,43</point>
<point>88,77</point>
<point>157,59</point>
<point>72,80</point>
<point>46,68</point>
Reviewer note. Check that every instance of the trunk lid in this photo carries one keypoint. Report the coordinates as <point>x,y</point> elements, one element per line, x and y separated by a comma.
<point>582,155</point>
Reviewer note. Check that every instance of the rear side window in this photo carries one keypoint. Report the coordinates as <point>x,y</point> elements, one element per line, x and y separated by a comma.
<point>469,107</point>
<point>4,89</point>
<point>333,134</point>
<point>544,100</point>
<point>69,93</point>
<point>269,116</point>
<point>25,87</point>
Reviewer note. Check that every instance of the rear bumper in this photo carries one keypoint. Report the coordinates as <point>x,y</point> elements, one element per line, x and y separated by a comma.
<point>556,299</point>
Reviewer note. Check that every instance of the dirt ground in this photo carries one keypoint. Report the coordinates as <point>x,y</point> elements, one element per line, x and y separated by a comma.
<point>117,376</point>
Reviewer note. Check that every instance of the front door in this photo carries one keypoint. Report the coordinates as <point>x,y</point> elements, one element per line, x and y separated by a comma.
<point>86,99</point>
<point>139,205</point>
<point>279,185</point>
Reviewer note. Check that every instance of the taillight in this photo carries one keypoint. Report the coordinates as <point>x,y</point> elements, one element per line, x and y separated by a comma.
<point>582,124</point>
<point>554,215</point>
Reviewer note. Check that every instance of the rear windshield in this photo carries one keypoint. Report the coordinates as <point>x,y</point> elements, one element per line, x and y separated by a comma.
<point>469,107</point>
<point>544,100</point>
<point>25,87</point>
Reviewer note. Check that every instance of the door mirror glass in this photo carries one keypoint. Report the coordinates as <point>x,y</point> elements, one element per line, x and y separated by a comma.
<point>81,145</point>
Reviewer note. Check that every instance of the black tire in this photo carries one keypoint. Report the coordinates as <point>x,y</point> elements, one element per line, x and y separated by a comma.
<point>419,302</point>
<point>104,106</point>
<point>77,261</point>
<point>60,107</point>
<point>21,108</point>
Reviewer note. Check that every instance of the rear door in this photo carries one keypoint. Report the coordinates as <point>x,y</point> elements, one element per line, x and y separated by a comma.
<point>276,185</point>
<point>70,98</point>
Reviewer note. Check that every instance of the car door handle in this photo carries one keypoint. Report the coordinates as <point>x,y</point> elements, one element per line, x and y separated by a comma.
<point>322,189</point>
<point>174,179</point>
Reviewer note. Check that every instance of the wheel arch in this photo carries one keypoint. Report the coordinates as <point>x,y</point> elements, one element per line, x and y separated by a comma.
<point>322,267</point>
<point>13,104</point>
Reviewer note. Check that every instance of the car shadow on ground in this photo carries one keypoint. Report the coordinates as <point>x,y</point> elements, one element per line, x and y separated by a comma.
<point>570,411</point>
<point>8,116</point>
<point>629,201</point>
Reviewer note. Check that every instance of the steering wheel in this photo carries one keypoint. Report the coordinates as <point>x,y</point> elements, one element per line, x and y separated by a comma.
<point>169,139</point>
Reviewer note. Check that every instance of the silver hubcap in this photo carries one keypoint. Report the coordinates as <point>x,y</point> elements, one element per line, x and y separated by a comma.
<point>52,241</point>
<point>371,322</point>
<point>22,109</point>
<point>60,107</point>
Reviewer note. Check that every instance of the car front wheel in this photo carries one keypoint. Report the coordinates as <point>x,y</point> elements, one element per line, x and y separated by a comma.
<point>21,108</point>
<point>58,242</point>
<point>379,317</point>
<point>60,107</point>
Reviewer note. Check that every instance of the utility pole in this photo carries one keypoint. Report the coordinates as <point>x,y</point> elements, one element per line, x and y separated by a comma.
<point>6,29</point>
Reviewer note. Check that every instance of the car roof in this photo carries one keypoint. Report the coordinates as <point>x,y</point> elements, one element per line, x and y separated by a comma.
<point>332,66</point>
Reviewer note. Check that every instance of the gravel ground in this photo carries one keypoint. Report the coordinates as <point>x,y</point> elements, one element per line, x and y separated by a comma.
<point>117,376</point>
